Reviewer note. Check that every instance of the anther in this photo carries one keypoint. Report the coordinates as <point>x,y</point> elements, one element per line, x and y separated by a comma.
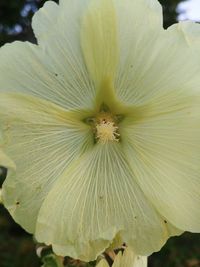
<point>107,131</point>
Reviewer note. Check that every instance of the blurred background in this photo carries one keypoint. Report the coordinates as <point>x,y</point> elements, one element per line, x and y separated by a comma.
<point>17,248</point>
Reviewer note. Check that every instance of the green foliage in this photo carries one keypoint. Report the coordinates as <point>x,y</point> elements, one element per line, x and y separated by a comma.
<point>52,261</point>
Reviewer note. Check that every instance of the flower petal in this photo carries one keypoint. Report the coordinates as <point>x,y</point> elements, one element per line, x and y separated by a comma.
<point>163,149</point>
<point>149,70</point>
<point>103,263</point>
<point>42,139</point>
<point>54,70</point>
<point>139,25</point>
<point>162,143</point>
<point>59,39</point>
<point>45,22</point>
<point>99,40</point>
<point>129,259</point>
<point>95,200</point>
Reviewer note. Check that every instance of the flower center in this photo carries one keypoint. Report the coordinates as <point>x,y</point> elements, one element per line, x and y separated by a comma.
<point>106,130</point>
<point>105,126</point>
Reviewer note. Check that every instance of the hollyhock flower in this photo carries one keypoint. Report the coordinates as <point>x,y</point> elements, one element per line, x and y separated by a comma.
<point>127,259</point>
<point>102,119</point>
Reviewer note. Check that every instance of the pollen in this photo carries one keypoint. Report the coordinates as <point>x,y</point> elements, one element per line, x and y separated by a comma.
<point>107,131</point>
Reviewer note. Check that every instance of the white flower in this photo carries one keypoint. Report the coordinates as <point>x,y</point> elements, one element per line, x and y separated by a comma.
<point>102,119</point>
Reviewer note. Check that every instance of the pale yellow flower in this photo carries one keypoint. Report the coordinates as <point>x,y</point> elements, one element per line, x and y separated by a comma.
<point>127,259</point>
<point>102,119</point>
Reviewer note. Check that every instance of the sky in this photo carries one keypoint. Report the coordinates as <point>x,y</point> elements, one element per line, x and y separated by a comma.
<point>189,9</point>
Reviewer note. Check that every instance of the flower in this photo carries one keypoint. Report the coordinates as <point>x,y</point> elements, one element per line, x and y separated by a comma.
<point>127,259</point>
<point>102,119</point>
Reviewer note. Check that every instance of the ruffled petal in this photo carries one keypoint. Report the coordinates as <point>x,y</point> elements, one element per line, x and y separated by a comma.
<point>54,70</point>
<point>129,259</point>
<point>25,68</point>
<point>95,200</point>
<point>158,63</point>
<point>161,139</point>
<point>58,30</point>
<point>163,149</point>
<point>42,139</point>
